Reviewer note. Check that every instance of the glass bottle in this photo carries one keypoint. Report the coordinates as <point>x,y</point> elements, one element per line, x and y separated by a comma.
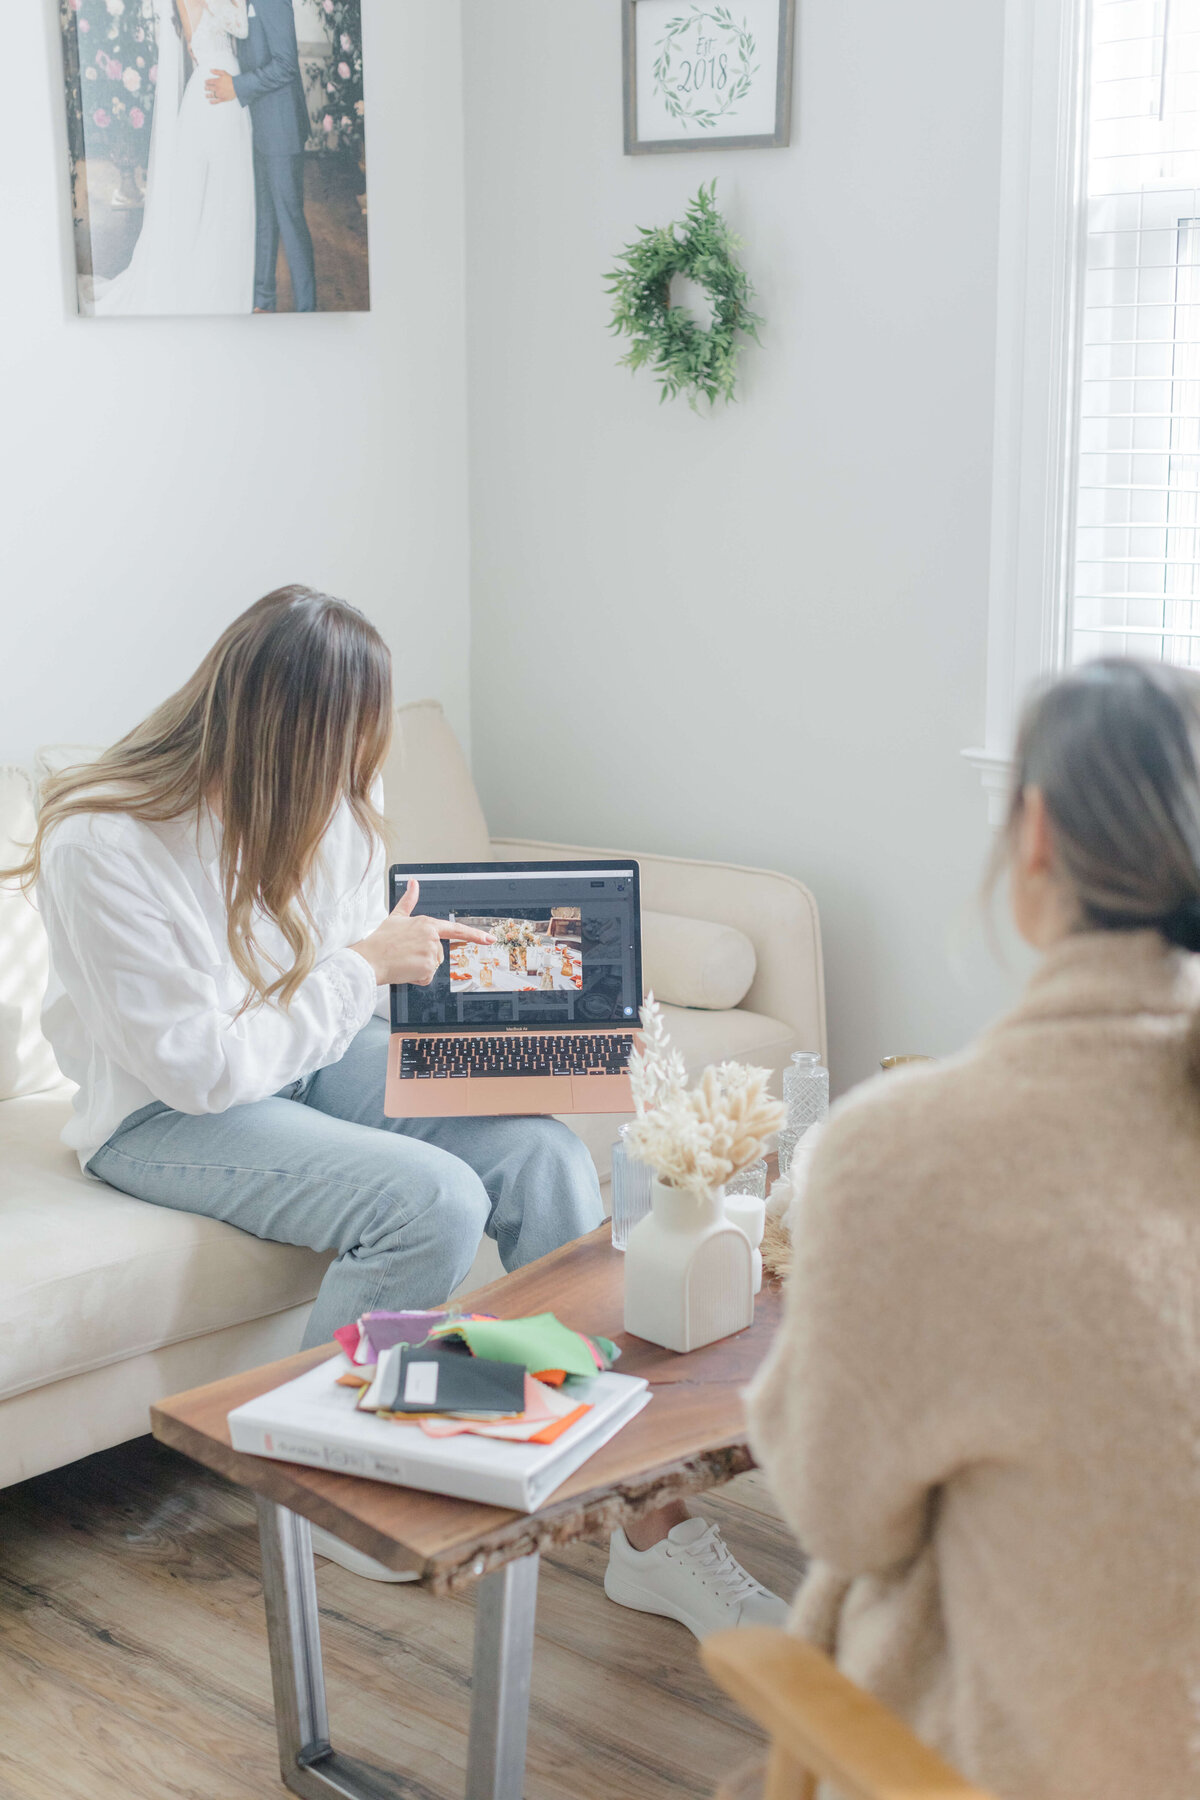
<point>750,1180</point>
<point>630,1191</point>
<point>806,1096</point>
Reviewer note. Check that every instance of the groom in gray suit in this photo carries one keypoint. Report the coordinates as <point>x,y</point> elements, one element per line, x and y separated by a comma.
<point>270,85</point>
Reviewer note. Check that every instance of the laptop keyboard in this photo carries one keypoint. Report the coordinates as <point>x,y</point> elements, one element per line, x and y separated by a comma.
<point>518,1053</point>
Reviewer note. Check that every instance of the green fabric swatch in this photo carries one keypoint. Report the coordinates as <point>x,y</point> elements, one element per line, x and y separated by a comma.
<point>539,1343</point>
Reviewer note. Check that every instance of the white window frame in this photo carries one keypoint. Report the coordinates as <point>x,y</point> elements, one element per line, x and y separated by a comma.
<point>1042,248</point>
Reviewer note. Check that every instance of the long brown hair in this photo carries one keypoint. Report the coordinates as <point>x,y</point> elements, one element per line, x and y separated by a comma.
<point>288,715</point>
<point>1114,749</point>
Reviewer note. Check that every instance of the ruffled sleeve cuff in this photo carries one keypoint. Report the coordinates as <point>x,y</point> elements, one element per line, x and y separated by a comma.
<point>354,993</point>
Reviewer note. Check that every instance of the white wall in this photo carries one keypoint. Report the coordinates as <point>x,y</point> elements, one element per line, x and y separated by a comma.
<point>156,475</point>
<point>759,635</point>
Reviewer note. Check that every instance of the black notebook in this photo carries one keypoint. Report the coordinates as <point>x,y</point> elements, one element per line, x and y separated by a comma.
<point>429,1378</point>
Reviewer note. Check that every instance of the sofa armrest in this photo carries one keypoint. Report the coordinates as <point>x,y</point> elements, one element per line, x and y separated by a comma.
<point>777,913</point>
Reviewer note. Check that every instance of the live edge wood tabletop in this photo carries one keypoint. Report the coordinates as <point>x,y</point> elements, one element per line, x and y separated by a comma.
<point>691,1437</point>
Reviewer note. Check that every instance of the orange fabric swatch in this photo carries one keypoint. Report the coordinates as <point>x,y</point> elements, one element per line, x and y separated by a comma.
<point>555,1429</point>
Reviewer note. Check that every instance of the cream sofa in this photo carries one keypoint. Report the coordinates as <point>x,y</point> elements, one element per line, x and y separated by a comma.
<point>107,1303</point>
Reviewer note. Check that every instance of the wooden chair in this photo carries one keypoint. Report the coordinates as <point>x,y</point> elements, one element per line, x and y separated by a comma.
<point>822,1727</point>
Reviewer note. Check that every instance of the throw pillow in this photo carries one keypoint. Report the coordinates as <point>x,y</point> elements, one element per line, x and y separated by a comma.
<point>690,962</point>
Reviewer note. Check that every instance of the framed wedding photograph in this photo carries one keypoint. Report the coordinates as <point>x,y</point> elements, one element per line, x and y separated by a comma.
<point>701,74</point>
<point>217,156</point>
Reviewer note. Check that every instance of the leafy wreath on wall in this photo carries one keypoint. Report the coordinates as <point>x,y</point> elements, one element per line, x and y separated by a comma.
<point>687,357</point>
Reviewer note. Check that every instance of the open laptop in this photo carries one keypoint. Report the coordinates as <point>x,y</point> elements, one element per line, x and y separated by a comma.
<point>542,1020</point>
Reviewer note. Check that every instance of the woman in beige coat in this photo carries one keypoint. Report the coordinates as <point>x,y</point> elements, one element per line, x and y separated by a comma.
<point>982,1416</point>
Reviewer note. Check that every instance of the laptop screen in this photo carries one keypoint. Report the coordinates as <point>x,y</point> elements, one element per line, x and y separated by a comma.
<point>567,948</point>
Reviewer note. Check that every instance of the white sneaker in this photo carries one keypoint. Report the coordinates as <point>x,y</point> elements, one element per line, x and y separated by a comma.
<point>357,1561</point>
<point>691,1575</point>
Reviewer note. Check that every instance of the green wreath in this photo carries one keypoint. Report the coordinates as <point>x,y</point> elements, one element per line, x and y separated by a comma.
<point>686,357</point>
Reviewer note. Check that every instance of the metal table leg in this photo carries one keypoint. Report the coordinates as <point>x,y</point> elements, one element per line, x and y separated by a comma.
<point>505,1614</point>
<point>307,1762</point>
<point>504,1628</point>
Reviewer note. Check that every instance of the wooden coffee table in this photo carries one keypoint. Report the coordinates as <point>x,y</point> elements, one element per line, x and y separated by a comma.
<point>690,1437</point>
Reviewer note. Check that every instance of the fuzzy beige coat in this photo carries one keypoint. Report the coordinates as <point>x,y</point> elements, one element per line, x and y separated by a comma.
<point>982,1415</point>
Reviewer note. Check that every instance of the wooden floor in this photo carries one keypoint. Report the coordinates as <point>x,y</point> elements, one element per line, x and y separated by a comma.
<point>133,1661</point>
<point>339,234</point>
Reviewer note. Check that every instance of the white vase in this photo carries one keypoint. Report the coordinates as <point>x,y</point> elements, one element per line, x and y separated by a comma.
<point>688,1271</point>
<point>749,1214</point>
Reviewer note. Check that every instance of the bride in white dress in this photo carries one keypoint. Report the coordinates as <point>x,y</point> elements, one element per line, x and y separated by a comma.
<point>195,253</point>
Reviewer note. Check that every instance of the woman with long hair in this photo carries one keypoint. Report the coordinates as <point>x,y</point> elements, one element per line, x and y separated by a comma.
<point>982,1415</point>
<point>213,892</point>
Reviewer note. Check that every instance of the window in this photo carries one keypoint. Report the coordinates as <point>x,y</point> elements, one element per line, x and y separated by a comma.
<point>1135,584</point>
<point>1096,489</point>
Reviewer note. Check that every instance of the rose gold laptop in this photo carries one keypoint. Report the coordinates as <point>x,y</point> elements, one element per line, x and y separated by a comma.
<point>539,1020</point>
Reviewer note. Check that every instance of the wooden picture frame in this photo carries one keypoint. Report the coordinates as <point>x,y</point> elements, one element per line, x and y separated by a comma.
<point>691,66</point>
<point>168,216</point>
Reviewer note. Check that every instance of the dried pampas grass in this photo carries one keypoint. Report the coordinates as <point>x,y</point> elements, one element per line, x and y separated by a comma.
<point>776,1248</point>
<point>695,1140</point>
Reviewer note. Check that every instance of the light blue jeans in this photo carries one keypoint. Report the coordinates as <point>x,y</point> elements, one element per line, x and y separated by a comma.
<point>404,1203</point>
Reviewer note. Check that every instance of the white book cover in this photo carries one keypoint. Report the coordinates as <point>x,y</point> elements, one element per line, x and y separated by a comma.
<point>312,1420</point>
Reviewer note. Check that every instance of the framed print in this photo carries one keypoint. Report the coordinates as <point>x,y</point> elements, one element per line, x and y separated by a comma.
<point>700,73</point>
<point>217,155</point>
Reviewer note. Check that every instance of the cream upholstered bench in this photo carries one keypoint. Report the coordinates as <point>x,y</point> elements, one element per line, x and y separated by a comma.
<point>107,1303</point>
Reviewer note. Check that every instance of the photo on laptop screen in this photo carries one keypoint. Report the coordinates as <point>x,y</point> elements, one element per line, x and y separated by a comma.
<point>566,946</point>
<point>532,953</point>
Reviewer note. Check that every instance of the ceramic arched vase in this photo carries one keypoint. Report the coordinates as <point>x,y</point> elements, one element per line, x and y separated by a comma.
<point>688,1271</point>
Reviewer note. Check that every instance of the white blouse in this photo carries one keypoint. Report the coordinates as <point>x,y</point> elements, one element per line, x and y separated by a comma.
<point>143,999</point>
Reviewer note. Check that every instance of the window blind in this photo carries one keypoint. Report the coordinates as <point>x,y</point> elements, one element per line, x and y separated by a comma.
<point>1136,579</point>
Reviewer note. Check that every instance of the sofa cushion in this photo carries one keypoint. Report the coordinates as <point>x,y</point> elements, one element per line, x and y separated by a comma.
<point>690,962</point>
<point>732,1036</point>
<point>52,759</point>
<point>89,1276</point>
<point>27,1064</point>
<point>428,794</point>
<point>703,1038</point>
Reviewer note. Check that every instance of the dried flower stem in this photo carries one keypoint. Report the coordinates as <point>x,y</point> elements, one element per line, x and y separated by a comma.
<point>695,1140</point>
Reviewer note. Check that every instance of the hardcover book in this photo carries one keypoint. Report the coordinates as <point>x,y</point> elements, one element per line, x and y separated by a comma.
<point>314,1421</point>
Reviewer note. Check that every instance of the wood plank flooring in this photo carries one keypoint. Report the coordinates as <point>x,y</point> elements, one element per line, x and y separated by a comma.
<point>133,1662</point>
<point>339,234</point>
